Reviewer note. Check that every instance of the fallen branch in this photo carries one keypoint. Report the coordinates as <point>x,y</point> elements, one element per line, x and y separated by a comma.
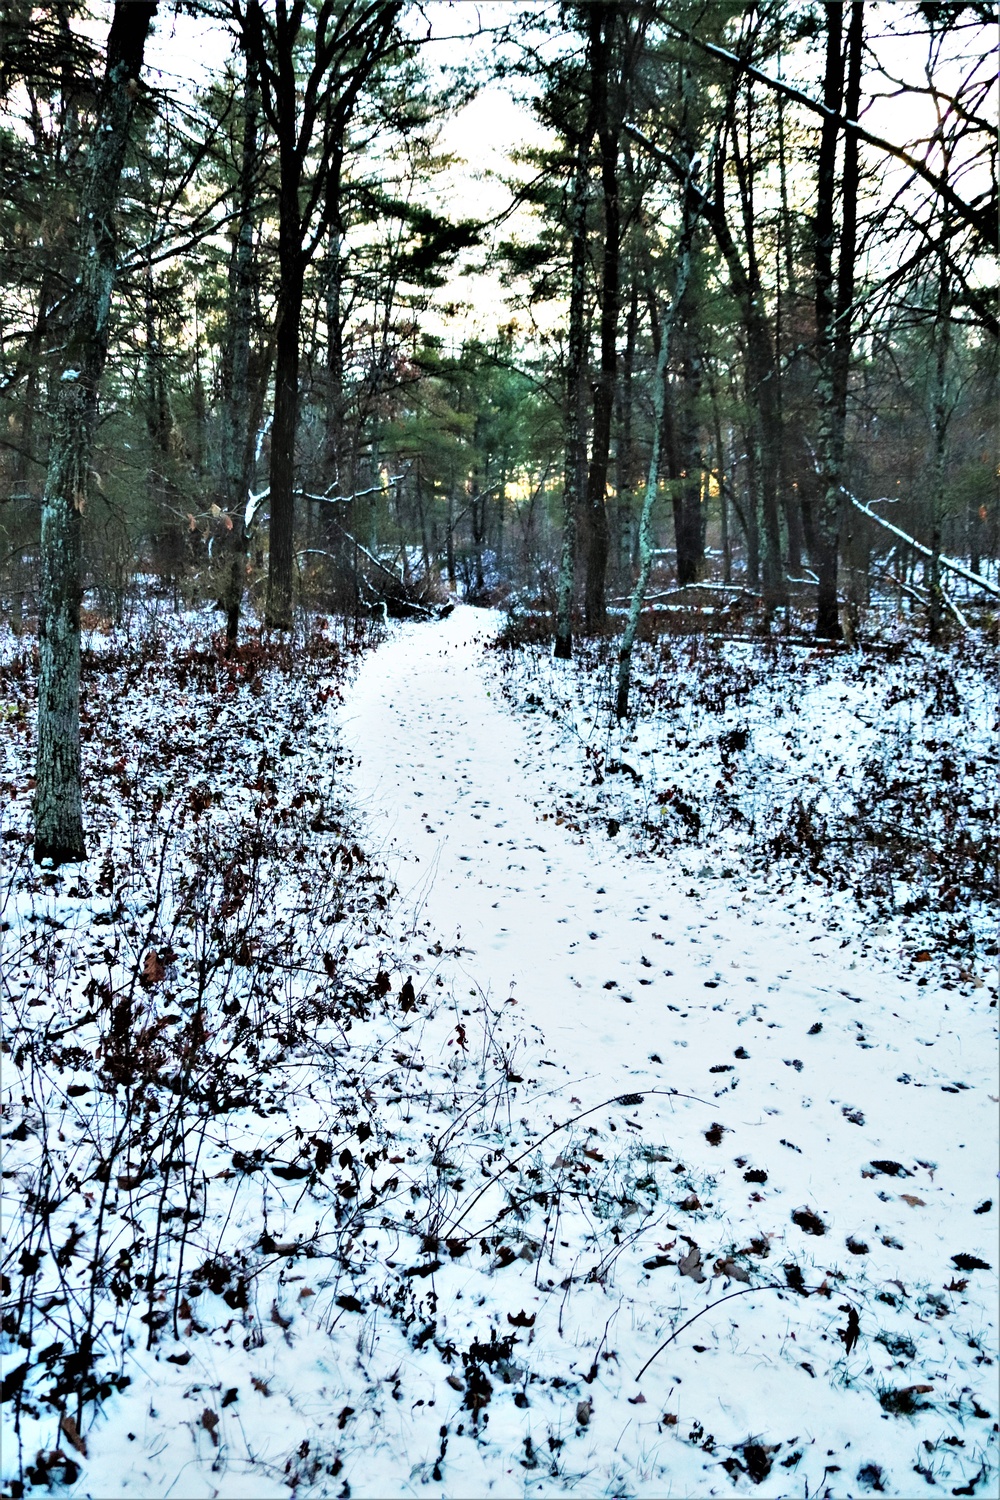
<point>715,588</point>
<point>767,1286</point>
<point>375,489</point>
<point>945,562</point>
<point>953,607</point>
<point>370,555</point>
<point>254,502</point>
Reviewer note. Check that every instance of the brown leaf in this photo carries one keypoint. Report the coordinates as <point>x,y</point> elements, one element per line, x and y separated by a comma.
<point>128,1182</point>
<point>277,1318</point>
<point>70,1431</point>
<point>922,956</point>
<point>455,1381</point>
<point>153,969</point>
<point>690,1203</point>
<point>731,1268</point>
<point>913,1200</point>
<point>210,1421</point>
<point>690,1264</point>
<point>583,1411</point>
<point>521,1319</point>
<point>639,1400</point>
<point>260,1385</point>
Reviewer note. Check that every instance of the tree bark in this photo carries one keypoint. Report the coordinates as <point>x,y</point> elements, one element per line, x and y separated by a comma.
<point>288,313</point>
<point>607,112</point>
<point>309,111</point>
<point>334,273</point>
<point>58,806</point>
<point>237,446</point>
<point>834,298</point>
<point>652,479</point>
<point>575,471</point>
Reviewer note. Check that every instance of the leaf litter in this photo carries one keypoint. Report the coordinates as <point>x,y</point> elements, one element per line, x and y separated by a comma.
<point>347,1223</point>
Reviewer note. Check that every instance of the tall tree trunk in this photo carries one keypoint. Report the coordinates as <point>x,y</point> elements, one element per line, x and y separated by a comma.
<point>575,472</point>
<point>652,479</point>
<point>238,429</point>
<point>450,539</point>
<point>834,298</point>
<point>625,457</point>
<point>688,507</point>
<point>291,275</point>
<point>940,416</point>
<point>607,114</point>
<point>58,806</point>
<point>334,322</point>
<point>763,379</point>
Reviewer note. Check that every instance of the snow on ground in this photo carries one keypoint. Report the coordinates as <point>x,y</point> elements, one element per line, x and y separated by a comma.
<point>841,1118</point>
<point>656,1182</point>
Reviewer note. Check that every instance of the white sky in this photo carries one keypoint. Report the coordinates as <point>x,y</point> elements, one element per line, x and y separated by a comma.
<point>184,52</point>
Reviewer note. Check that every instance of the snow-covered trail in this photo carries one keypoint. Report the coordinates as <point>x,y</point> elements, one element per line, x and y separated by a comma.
<point>833,1124</point>
<point>612,962</point>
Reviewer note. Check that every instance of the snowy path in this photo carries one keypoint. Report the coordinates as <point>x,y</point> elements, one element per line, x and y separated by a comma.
<point>815,1063</point>
<point>454,789</point>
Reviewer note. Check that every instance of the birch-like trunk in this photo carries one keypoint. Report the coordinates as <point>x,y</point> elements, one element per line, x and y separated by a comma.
<point>652,479</point>
<point>58,806</point>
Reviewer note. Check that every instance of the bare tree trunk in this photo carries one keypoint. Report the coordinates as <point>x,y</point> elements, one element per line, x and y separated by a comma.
<point>450,540</point>
<point>940,416</point>
<point>833,301</point>
<point>607,112</point>
<point>688,506</point>
<point>652,479</point>
<point>625,458</point>
<point>286,414</point>
<point>237,444</point>
<point>334,322</point>
<point>576,399</point>
<point>58,806</point>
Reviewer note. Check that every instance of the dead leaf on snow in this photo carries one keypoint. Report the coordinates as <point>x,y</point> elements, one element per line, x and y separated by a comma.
<point>153,970</point>
<point>913,1200</point>
<point>731,1268</point>
<point>690,1264</point>
<point>70,1431</point>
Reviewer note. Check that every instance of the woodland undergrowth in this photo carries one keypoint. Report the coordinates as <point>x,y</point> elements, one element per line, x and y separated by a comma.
<point>869,772</point>
<point>230,1117</point>
<point>212,1079</point>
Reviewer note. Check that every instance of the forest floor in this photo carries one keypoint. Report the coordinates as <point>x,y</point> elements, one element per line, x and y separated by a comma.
<point>431,1087</point>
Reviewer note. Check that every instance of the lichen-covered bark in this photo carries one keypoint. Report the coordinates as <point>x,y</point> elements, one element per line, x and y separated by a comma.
<point>58,796</point>
<point>649,499</point>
